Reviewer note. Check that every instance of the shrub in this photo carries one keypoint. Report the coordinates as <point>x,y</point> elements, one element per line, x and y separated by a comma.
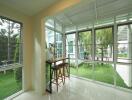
<point>18,75</point>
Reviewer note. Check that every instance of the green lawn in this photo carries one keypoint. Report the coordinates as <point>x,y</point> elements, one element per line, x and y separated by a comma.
<point>122,55</point>
<point>103,73</point>
<point>8,84</point>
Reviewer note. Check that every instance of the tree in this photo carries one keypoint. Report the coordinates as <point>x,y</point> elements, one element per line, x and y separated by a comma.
<point>103,40</point>
<point>3,39</point>
<point>9,40</point>
<point>85,43</point>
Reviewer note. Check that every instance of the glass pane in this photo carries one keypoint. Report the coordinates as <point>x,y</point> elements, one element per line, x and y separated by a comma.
<point>70,45</point>
<point>84,45</point>
<point>59,45</point>
<point>4,26</point>
<point>49,37</point>
<point>73,67</point>
<point>15,42</point>
<point>104,72</point>
<point>123,47</point>
<point>124,69</point>
<point>85,69</point>
<point>104,44</point>
<point>14,52</point>
<point>123,78</point>
<point>10,82</point>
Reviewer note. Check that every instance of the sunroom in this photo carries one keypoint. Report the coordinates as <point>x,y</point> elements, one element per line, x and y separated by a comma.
<point>65,46</point>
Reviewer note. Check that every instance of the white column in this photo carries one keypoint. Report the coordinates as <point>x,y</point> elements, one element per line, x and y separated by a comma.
<point>130,54</point>
<point>115,49</point>
<point>64,41</point>
<point>55,45</point>
<point>93,44</point>
<point>93,50</point>
<point>76,47</point>
<point>39,72</point>
<point>28,55</point>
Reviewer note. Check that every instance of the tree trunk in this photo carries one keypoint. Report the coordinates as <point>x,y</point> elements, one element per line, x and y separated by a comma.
<point>102,54</point>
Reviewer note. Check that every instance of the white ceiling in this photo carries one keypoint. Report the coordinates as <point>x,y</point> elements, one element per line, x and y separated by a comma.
<point>28,7</point>
<point>89,10</point>
<point>84,12</point>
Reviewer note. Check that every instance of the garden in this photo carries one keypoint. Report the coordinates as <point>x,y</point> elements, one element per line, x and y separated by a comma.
<point>100,72</point>
<point>10,82</point>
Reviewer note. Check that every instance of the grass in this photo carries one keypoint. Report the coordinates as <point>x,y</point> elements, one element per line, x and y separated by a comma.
<point>47,73</point>
<point>103,73</point>
<point>8,84</point>
<point>122,55</point>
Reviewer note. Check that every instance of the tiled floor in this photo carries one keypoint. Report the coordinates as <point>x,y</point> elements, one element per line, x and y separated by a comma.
<point>78,89</point>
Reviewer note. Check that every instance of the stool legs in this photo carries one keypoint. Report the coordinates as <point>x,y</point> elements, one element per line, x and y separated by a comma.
<point>57,74</point>
<point>60,73</point>
<point>64,74</point>
<point>56,79</point>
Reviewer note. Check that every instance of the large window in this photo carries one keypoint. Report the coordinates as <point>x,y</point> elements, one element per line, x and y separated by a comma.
<point>104,72</point>
<point>104,44</point>
<point>10,57</point>
<point>85,45</point>
<point>124,58</point>
<point>59,45</point>
<point>54,37</point>
<point>123,43</point>
<point>103,69</point>
<point>49,37</point>
<point>70,45</point>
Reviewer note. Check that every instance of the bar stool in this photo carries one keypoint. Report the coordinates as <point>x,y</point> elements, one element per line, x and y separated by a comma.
<point>57,74</point>
<point>66,70</point>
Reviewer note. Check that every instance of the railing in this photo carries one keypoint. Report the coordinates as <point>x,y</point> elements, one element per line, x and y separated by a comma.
<point>8,65</point>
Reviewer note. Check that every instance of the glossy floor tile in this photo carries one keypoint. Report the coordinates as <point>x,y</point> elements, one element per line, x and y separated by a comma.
<point>79,89</point>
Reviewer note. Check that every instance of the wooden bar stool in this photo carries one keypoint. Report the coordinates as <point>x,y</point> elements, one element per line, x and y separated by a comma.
<point>57,74</point>
<point>66,69</point>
